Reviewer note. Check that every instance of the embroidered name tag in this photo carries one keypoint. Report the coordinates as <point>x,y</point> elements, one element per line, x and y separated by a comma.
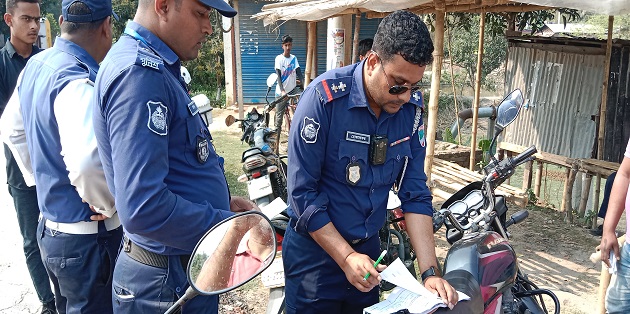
<point>357,137</point>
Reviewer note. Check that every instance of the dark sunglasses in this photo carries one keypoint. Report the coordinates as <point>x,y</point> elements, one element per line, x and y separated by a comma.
<point>396,89</point>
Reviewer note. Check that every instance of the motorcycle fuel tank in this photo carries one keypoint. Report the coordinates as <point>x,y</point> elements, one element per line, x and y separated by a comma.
<point>488,257</point>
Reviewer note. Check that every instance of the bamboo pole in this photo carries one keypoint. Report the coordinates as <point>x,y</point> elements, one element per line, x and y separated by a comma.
<point>567,206</point>
<point>473,139</point>
<point>602,108</point>
<point>310,51</point>
<point>598,182</point>
<point>527,175</point>
<point>604,282</point>
<point>436,73</point>
<point>355,40</point>
<point>450,58</point>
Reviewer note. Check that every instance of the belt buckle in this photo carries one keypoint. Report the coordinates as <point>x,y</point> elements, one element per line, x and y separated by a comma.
<point>127,244</point>
<point>355,241</point>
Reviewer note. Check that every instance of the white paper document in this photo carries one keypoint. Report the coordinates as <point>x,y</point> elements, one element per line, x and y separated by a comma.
<point>274,208</point>
<point>410,294</point>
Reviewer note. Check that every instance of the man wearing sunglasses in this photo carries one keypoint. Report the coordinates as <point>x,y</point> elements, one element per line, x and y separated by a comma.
<point>359,131</point>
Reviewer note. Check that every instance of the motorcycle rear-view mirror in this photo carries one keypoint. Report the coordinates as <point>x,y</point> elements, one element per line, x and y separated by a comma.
<point>509,108</point>
<point>229,120</point>
<point>272,79</point>
<point>232,253</point>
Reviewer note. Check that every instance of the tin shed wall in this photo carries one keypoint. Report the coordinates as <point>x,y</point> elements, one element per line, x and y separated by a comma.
<point>562,94</point>
<point>259,48</point>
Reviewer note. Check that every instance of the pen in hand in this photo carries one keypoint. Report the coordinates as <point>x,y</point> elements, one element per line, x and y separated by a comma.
<point>378,261</point>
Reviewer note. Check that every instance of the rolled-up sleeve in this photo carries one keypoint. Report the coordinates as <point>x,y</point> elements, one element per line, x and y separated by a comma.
<point>307,154</point>
<point>414,194</point>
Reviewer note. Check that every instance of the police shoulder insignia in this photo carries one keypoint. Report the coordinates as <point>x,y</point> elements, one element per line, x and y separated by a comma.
<point>149,60</point>
<point>157,118</point>
<point>330,89</point>
<point>416,99</point>
<point>310,128</point>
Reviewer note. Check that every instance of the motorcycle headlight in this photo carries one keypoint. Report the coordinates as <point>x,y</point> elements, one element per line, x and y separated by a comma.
<point>254,162</point>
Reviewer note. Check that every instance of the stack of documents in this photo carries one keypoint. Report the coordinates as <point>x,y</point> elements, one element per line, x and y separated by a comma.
<point>410,294</point>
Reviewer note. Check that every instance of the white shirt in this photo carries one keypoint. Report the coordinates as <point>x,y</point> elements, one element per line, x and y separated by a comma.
<point>73,112</point>
<point>287,67</point>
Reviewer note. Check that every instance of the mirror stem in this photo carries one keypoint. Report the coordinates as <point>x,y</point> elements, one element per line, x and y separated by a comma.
<point>189,294</point>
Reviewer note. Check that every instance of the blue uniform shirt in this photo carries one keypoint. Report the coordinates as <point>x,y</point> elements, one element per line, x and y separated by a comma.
<point>45,75</point>
<point>330,176</point>
<point>157,154</point>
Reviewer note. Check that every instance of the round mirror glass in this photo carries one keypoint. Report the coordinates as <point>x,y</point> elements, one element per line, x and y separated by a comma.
<point>509,108</point>
<point>229,120</point>
<point>272,79</point>
<point>232,253</point>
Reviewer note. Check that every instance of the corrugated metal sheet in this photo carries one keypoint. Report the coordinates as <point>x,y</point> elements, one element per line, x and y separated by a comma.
<point>562,92</point>
<point>618,109</point>
<point>259,48</point>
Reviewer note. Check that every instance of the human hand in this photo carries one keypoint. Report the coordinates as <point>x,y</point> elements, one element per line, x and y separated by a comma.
<point>356,266</point>
<point>97,217</point>
<point>240,205</point>
<point>443,289</point>
<point>609,242</point>
<point>282,93</point>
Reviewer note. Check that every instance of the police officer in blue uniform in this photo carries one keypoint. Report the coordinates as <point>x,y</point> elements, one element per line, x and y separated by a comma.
<point>78,247</point>
<point>157,154</point>
<point>359,129</point>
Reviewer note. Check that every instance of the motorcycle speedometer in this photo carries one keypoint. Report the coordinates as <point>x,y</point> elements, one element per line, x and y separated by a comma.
<point>254,116</point>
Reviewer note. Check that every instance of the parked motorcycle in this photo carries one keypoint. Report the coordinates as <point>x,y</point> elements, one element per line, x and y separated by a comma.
<point>217,264</point>
<point>481,262</point>
<point>265,171</point>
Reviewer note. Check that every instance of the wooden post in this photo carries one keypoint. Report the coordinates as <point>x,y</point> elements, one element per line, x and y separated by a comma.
<point>602,107</point>
<point>598,183</point>
<point>586,190</point>
<point>527,175</point>
<point>473,139</point>
<point>436,69</point>
<point>567,206</point>
<point>310,51</point>
<point>355,39</point>
<point>539,172</point>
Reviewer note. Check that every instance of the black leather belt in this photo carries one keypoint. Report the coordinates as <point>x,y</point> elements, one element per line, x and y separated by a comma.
<point>149,258</point>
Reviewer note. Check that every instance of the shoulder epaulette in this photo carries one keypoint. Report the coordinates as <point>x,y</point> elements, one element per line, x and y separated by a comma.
<point>416,99</point>
<point>330,89</point>
<point>148,59</point>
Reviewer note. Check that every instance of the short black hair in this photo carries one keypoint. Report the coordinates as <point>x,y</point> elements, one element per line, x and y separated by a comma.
<point>12,4</point>
<point>79,8</point>
<point>365,45</point>
<point>404,33</point>
<point>287,39</point>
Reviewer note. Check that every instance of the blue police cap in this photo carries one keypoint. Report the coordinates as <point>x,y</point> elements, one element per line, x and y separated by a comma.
<point>221,6</point>
<point>99,9</point>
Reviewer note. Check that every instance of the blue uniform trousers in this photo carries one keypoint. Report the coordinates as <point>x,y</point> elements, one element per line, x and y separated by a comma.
<point>25,202</point>
<point>140,288</point>
<point>316,284</point>
<point>80,267</point>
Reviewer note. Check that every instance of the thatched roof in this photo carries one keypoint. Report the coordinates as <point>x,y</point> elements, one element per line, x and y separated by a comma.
<point>316,10</point>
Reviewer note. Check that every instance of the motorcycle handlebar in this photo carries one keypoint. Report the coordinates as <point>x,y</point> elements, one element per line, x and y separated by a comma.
<point>522,157</point>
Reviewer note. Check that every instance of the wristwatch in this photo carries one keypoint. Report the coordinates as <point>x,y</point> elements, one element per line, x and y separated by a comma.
<point>428,273</point>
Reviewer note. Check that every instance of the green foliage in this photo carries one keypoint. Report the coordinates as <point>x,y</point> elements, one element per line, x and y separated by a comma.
<point>484,145</point>
<point>532,199</point>
<point>599,26</point>
<point>448,136</point>
<point>125,9</point>
<point>197,263</point>
<point>208,70</point>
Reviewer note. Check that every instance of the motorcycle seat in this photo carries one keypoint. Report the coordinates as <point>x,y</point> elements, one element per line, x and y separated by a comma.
<point>464,282</point>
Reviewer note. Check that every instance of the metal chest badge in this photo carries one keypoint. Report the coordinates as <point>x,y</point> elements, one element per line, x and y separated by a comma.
<point>353,173</point>
<point>157,118</point>
<point>203,149</point>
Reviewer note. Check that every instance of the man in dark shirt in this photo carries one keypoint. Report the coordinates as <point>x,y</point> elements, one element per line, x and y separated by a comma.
<point>23,18</point>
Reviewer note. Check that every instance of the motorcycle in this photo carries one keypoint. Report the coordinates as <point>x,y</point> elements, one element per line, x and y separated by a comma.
<point>264,171</point>
<point>481,262</point>
<point>218,264</point>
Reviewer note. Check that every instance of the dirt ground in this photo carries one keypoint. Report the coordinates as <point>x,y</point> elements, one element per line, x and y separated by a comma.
<point>553,253</point>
